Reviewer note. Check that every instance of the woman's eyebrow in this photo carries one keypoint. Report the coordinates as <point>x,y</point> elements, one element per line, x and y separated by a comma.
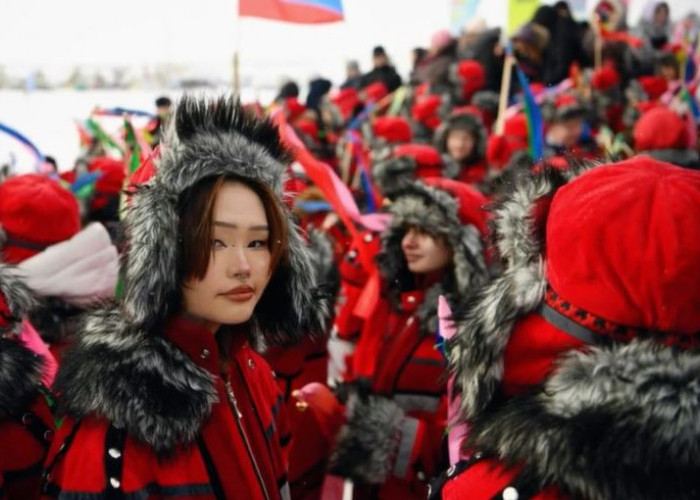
<point>261,227</point>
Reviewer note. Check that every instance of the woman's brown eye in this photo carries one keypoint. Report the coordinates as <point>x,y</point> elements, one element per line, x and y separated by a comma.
<point>217,244</point>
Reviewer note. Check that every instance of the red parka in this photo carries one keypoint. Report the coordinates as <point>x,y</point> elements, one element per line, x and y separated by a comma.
<point>234,445</point>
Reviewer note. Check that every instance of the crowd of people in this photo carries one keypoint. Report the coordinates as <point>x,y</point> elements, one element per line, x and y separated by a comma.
<point>481,281</point>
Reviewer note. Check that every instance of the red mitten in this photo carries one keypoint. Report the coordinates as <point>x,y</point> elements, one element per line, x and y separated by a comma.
<point>327,410</point>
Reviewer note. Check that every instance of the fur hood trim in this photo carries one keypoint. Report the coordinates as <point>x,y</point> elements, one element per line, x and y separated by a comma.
<point>135,380</point>
<point>486,319</point>
<point>680,157</point>
<point>20,299</point>
<point>209,137</point>
<point>463,121</point>
<point>619,421</point>
<point>436,211</point>
<point>20,376</point>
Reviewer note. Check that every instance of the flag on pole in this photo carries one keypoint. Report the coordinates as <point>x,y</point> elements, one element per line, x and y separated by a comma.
<point>535,123</point>
<point>293,11</point>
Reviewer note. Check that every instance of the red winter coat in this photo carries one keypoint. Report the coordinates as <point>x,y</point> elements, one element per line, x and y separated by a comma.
<point>179,426</point>
<point>26,422</point>
<point>409,374</point>
<point>294,367</point>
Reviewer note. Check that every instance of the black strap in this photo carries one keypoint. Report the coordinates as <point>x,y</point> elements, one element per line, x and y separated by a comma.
<point>211,470</point>
<point>49,488</point>
<point>114,462</point>
<point>565,324</point>
<point>42,432</point>
<point>437,484</point>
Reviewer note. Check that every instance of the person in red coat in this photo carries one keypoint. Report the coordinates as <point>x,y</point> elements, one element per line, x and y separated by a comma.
<point>26,421</point>
<point>164,395</point>
<point>393,440</point>
<point>462,141</point>
<point>577,367</point>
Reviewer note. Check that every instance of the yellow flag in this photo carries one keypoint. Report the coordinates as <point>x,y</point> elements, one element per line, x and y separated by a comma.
<point>520,12</point>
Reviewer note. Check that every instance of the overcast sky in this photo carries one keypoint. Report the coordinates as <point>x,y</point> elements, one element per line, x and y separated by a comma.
<point>54,34</point>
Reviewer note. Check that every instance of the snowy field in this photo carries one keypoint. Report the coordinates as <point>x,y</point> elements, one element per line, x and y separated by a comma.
<point>47,118</point>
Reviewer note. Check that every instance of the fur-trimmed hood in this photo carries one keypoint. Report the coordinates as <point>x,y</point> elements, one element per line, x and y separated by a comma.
<point>463,121</point>
<point>207,138</point>
<point>610,422</point>
<point>686,158</point>
<point>20,368</point>
<point>122,368</point>
<point>436,210</point>
<point>486,319</point>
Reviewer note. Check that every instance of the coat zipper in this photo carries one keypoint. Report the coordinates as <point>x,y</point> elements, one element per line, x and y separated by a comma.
<point>238,416</point>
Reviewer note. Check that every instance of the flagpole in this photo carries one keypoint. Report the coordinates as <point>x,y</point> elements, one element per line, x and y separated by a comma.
<point>505,91</point>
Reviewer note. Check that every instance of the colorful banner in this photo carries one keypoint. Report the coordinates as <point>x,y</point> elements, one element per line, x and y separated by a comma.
<point>462,11</point>
<point>293,11</point>
<point>520,12</point>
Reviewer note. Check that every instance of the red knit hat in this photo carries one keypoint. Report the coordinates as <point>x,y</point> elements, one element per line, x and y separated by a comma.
<point>501,148</point>
<point>425,111</point>
<point>110,183</point>
<point>660,128</point>
<point>375,92</point>
<point>393,129</point>
<point>653,86</point>
<point>471,76</point>
<point>605,78</point>
<point>35,212</point>
<point>346,100</point>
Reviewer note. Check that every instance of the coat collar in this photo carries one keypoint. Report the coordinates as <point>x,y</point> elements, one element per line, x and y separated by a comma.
<point>157,387</point>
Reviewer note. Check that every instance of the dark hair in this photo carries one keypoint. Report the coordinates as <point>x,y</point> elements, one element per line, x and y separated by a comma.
<point>378,51</point>
<point>163,101</point>
<point>196,221</point>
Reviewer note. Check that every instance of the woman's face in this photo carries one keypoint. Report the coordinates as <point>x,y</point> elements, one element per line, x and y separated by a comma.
<point>424,253</point>
<point>460,144</point>
<point>661,15</point>
<point>239,267</point>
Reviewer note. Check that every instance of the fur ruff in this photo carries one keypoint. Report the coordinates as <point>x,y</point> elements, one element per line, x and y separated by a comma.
<point>20,299</point>
<point>463,121</point>
<point>436,211</point>
<point>137,381</point>
<point>368,442</point>
<point>679,157</point>
<point>20,376</point>
<point>610,422</point>
<point>207,138</point>
<point>486,319</point>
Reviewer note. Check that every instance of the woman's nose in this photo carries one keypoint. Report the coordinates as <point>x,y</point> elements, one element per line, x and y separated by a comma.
<point>238,265</point>
<point>409,239</point>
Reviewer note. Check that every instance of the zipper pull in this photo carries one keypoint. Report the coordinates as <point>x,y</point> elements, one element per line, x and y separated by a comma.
<point>232,397</point>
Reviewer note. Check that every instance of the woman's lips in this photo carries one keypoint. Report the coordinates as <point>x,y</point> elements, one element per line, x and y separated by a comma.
<point>240,294</point>
<point>412,258</point>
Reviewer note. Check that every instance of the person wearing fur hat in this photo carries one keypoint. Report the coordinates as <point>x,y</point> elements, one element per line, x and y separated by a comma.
<point>662,134</point>
<point>392,438</point>
<point>462,140</point>
<point>26,420</point>
<point>577,366</point>
<point>409,162</point>
<point>164,394</point>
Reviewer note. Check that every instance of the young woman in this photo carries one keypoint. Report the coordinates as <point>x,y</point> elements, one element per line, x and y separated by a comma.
<point>462,141</point>
<point>394,437</point>
<point>164,395</point>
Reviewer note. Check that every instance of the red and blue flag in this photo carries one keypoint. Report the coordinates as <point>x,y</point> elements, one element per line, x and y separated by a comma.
<point>294,11</point>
